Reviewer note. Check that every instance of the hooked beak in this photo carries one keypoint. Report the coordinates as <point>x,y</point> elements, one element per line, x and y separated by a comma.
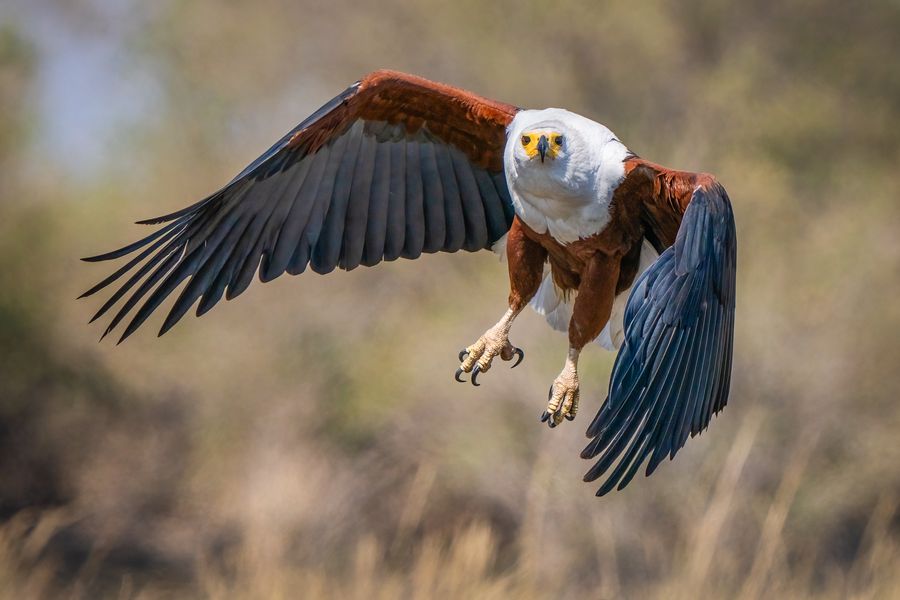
<point>542,146</point>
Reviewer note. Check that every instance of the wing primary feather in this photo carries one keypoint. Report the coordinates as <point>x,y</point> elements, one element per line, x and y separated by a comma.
<point>244,276</point>
<point>131,263</point>
<point>674,397</point>
<point>302,206</point>
<point>495,218</point>
<point>395,233</point>
<point>716,313</point>
<point>623,417</point>
<point>414,215</point>
<point>619,477</point>
<point>204,275</point>
<point>187,267</point>
<point>473,210</point>
<point>711,364</point>
<point>630,367</point>
<point>683,420</point>
<point>358,206</point>
<point>191,256</point>
<point>175,246</point>
<point>376,225</point>
<point>699,383</point>
<point>645,421</point>
<point>275,233</point>
<point>616,412</point>
<point>248,250</point>
<point>135,245</point>
<point>171,281</point>
<point>319,200</point>
<point>627,374</point>
<point>503,191</point>
<point>452,206</point>
<point>613,413</point>
<point>433,198</point>
<point>229,260</point>
<point>728,300</point>
<point>188,210</point>
<point>722,397</point>
<point>705,382</point>
<point>214,292</point>
<point>658,372</point>
<point>209,221</point>
<point>147,284</point>
<point>170,248</point>
<point>616,434</point>
<point>696,398</point>
<point>327,245</point>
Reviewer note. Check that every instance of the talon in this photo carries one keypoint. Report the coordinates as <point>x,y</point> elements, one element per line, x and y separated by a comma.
<point>475,373</point>
<point>570,416</point>
<point>521,356</point>
<point>462,354</point>
<point>544,416</point>
<point>552,423</point>
<point>458,374</point>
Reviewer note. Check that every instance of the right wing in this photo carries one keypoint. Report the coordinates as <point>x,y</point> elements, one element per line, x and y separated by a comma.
<point>674,368</point>
<point>395,166</point>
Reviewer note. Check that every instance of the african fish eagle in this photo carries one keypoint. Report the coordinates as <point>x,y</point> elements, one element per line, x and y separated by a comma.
<point>608,246</point>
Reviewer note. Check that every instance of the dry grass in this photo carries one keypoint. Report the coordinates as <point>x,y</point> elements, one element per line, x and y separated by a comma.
<point>466,562</point>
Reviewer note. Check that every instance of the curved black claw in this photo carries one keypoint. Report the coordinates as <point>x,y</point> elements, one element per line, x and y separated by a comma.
<point>458,375</point>
<point>570,417</point>
<point>475,373</point>
<point>462,354</point>
<point>547,416</point>
<point>521,356</point>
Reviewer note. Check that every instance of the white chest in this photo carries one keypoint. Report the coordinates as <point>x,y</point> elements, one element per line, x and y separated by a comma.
<point>566,218</point>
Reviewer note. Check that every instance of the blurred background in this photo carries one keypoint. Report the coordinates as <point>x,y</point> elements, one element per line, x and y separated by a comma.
<point>309,439</point>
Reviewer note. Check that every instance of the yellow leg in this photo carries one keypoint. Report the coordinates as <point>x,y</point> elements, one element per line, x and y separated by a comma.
<point>477,358</point>
<point>562,402</point>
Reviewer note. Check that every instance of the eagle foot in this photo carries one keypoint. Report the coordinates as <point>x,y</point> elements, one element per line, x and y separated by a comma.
<point>562,399</point>
<point>477,358</point>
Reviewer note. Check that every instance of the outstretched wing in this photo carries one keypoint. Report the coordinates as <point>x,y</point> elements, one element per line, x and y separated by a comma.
<point>674,368</point>
<point>395,166</point>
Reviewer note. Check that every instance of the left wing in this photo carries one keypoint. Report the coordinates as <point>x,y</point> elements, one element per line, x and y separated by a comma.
<point>674,368</point>
<point>395,166</point>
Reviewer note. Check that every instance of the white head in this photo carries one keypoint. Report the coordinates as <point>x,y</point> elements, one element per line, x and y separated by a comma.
<point>558,162</point>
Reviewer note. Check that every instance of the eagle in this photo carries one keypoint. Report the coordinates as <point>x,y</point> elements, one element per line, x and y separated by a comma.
<point>606,245</point>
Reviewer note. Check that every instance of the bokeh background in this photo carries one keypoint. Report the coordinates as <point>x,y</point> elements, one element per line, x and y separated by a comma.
<point>308,440</point>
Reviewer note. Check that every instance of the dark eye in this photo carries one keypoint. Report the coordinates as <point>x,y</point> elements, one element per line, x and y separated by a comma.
<point>558,140</point>
<point>526,139</point>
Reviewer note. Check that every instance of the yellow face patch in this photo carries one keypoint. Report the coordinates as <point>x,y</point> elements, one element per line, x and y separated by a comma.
<point>542,144</point>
